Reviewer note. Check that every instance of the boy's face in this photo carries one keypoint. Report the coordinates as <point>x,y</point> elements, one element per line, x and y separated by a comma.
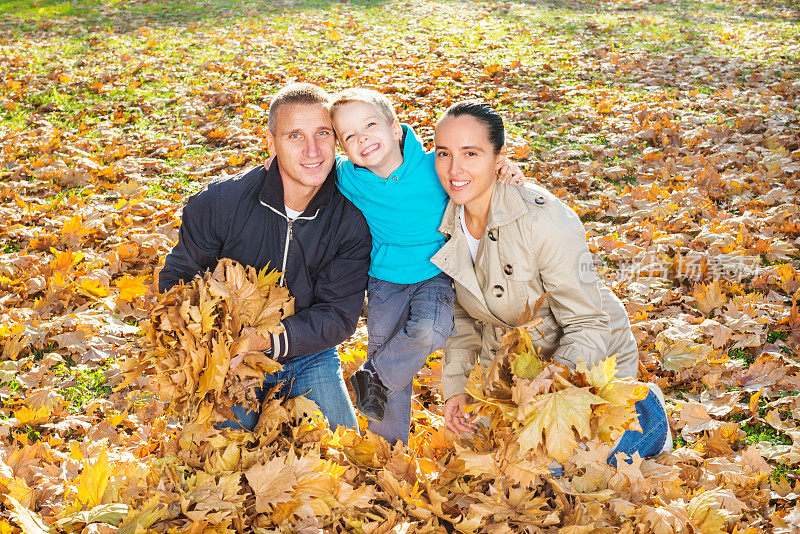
<point>367,138</point>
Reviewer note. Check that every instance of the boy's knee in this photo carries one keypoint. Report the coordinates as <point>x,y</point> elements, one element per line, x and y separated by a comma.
<point>421,330</point>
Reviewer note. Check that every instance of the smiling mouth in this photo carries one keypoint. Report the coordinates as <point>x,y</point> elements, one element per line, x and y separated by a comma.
<point>370,149</point>
<point>459,184</point>
<point>311,165</point>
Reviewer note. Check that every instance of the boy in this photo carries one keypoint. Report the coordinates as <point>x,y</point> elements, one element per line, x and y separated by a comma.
<point>390,177</point>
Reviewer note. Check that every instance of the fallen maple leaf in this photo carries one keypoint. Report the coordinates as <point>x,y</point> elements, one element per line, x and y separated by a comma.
<point>272,483</point>
<point>549,420</point>
<point>131,287</point>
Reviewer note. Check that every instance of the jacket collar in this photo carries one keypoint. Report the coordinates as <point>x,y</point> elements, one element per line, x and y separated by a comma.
<point>272,191</point>
<point>454,259</point>
<point>506,206</point>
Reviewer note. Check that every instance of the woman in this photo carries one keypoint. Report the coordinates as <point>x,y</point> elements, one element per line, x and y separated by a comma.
<point>509,245</point>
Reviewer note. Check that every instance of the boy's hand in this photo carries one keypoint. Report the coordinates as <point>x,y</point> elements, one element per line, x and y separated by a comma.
<point>509,172</point>
<point>454,417</point>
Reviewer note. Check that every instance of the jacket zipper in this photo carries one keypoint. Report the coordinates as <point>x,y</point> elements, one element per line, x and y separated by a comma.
<point>286,248</point>
<point>288,235</point>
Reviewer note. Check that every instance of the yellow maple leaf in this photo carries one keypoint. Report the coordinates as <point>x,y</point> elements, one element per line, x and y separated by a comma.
<point>131,287</point>
<point>526,364</point>
<point>13,344</point>
<point>602,375</point>
<point>74,228</point>
<point>709,297</point>
<point>62,261</point>
<point>272,483</point>
<point>127,251</point>
<point>93,288</point>
<point>13,329</point>
<point>680,354</point>
<point>705,514</point>
<point>93,481</point>
<point>28,416</point>
<point>213,376</point>
<point>203,316</point>
<point>226,460</point>
<point>30,521</point>
<point>550,419</point>
<point>624,392</point>
<point>20,490</point>
<point>266,314</point>
<point>614,420</point>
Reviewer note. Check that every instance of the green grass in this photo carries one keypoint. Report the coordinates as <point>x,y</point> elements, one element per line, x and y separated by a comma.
<point>37,9</point>
<point>164,54</point>
<point>757,432</point>
<point>783,471</point>
<point>748,356</point>
<point>89,384</point>
<point>775,335</point>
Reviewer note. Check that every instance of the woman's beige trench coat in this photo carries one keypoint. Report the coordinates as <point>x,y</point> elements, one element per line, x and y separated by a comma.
<point>533,243</point>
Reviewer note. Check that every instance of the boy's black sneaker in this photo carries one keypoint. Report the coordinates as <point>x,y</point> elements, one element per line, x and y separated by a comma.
<point>370,394</point>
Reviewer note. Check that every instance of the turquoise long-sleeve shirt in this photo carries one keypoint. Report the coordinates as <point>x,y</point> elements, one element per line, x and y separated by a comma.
<point>403,212</point>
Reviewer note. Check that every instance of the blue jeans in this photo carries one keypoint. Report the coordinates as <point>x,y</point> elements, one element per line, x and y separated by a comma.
<point>405,324</point>
<point>651,439</point>
<point>318,376</point>
<point>649,442</point>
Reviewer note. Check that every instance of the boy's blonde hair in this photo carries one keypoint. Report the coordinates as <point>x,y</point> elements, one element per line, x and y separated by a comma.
<point>367,96</point>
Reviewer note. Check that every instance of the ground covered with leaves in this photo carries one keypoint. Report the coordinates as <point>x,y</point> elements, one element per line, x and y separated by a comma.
<point>672,128</point>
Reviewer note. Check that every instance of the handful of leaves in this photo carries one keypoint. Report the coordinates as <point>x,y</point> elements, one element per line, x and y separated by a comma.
<point>548,407</point>
<point>198,340</point>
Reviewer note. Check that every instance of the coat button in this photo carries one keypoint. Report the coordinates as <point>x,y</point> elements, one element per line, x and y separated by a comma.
<point>539,200</point>
<point>493,234</point>
<point>497,291</point>
<point>508,269</point>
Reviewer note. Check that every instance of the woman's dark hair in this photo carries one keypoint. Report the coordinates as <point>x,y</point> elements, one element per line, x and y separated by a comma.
<point>485,114</point>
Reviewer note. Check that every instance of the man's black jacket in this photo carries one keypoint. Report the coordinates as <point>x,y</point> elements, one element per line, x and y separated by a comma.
<point>324,252</point>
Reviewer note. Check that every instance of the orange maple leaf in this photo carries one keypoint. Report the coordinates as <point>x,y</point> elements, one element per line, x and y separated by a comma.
<point>131,287</point>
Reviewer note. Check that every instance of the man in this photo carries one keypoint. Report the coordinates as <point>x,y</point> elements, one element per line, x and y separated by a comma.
<point>292,217</point>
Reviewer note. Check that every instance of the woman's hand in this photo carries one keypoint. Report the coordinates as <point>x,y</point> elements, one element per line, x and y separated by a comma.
<point>509,172</point>
<point>454,417</point>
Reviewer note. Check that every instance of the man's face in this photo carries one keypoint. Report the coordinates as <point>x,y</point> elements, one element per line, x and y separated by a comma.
<point>304,143</point>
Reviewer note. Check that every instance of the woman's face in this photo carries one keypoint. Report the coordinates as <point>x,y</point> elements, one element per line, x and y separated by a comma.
<point>465,160</point>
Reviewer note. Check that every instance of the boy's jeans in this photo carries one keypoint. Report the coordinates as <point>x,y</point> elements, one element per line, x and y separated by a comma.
<point>405,324</point>
<point>318,376</point>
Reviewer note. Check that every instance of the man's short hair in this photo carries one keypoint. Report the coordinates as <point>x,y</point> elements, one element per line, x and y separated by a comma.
<point>367,96</point>
<point>295,93</point>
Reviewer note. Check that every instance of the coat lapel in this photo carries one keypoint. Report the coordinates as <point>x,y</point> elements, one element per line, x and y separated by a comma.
<point>454,258</point>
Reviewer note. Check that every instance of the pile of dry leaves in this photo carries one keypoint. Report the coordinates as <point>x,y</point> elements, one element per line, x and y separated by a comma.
<point>198,338</point>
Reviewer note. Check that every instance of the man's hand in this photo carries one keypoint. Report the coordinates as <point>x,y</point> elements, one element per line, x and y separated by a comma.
<point>454,417</point>
<point>509,172</point>
<point>257,341</point>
